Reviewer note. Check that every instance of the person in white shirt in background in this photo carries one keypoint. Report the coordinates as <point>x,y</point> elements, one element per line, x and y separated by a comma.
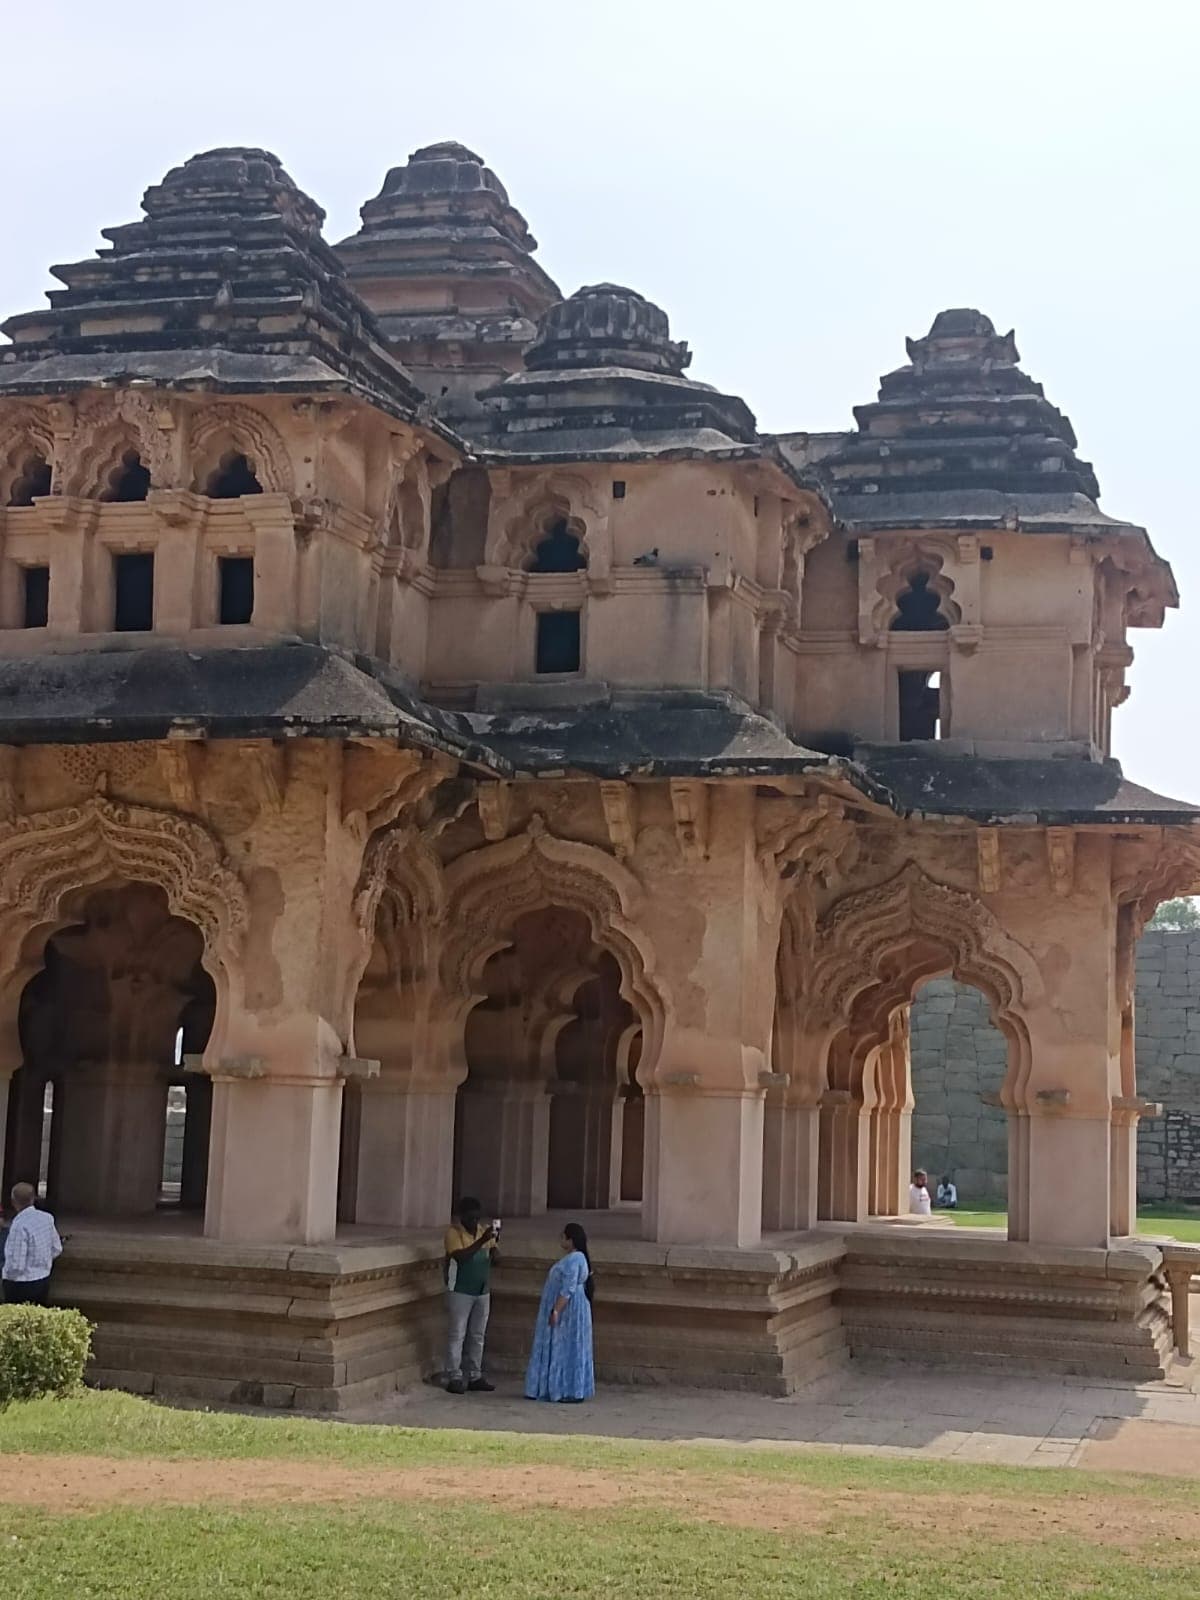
<point>30,1251</point>
<point>947,1196</point>
<point>920,1201</point>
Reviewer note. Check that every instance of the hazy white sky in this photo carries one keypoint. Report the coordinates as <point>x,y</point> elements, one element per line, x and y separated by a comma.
<point>799,185</point>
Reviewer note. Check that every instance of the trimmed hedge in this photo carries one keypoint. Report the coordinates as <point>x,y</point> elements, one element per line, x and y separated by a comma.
<point>43,1350</point>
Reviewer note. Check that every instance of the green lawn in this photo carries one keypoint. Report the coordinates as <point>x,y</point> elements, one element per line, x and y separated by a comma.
<point>1178,1222</point>
<point>861,1527</point>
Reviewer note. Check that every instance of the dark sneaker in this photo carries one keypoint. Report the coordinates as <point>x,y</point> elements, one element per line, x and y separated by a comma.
<point>481,1386</point>
<point>456,1386</point>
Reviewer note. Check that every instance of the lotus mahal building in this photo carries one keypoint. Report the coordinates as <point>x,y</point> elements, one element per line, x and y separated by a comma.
<point>453,746</point>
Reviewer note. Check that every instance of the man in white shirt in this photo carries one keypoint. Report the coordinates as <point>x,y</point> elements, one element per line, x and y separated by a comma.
<point>30,1251</point>
<point>920,1201</point>
<point>948,1194</point>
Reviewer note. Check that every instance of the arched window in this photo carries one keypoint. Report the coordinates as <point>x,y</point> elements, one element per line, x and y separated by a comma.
<point>129,481</point>
<point>558,552</point>
<point>32,481</point>
<point>918,608</point>
<point>233,477</point>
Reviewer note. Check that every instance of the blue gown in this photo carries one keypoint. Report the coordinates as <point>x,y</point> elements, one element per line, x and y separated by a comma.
<point>560,1365</point>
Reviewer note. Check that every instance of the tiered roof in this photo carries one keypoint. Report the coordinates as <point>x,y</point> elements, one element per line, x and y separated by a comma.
<point>962,437</point>
<point>604,378</point>
<point>225,284</point>
<point>443,223</point>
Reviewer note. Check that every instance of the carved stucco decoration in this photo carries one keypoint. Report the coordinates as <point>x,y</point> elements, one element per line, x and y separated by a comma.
<point>802,837</point>
<point>106,427</point>
<point>47,856</point>
<point>522,516</point>
<point>23,432</point>
<point>218,429</point>
<point>887,568</point>
<point>489,889</point>
<point>857,941</point>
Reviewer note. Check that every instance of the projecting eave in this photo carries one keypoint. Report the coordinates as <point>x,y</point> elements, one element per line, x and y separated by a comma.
<point>994,792</point>
<point>560,447</point>
<point>213,372</point>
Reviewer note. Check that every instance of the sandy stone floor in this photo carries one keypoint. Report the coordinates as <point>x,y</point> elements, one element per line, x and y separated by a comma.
<point>1018,1421</point>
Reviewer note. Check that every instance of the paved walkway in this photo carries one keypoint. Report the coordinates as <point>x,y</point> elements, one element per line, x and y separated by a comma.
<point>1017,1421</point>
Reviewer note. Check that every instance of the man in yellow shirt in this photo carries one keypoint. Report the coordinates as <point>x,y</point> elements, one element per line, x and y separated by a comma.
<point>470,1254</point>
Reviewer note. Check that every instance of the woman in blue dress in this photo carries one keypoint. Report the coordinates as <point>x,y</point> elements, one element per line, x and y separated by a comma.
<point>560,1366</point>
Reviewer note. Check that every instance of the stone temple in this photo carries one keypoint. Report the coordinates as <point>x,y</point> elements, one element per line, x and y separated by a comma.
<point>443,743</point>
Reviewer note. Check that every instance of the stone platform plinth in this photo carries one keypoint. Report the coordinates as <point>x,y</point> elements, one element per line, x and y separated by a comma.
<point>317,1328</point>
<point>761,1320</point>
<point>328,1328</point>
<point>974,1300</point>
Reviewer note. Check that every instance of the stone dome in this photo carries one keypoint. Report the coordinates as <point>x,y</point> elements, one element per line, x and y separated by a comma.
<point>607,325</point>
<point>233,182</point>
<point>446,184</point>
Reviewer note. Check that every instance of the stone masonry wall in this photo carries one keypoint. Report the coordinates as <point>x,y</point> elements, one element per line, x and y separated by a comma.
<point>957,1056</point>
<point>1167,1022</point>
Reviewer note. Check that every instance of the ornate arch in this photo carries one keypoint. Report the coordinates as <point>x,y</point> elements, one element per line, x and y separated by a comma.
<point>219,428</point>
<point>108,425</point>
<point>46,857</point>
<point>488,889</point>
<point>905,561</point>
<point>526,516</point>
<point>874,948</point>
<point>26,431</point>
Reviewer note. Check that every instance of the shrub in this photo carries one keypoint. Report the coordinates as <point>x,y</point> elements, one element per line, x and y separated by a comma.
<point>43,1350</point>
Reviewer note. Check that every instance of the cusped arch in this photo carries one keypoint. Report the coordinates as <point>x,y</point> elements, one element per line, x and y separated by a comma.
<point>107,427</point>
<point>46,857</point>
<point>24,435</point>
<point>874,948</point>
<point>489,889</point>
<point>915,559</point>
<point>528,516</point>
<point>216,430</point>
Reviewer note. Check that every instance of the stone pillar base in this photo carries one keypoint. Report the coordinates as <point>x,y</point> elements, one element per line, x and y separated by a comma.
<point>274,1160</point>
<point>708,1182</point>
<point>405,1155</point>
<point>791,1139</point>
<point>1068,1180</point>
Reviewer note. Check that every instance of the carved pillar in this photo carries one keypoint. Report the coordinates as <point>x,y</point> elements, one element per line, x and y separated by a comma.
<point>110,1123</point>
<point>197,1131</point>
<point>279,1053</point>
<point>405,1154</point>
<point>843,1187</point>
<point>891,1123</point>
<point>627,1148</point>
<point>504,1137</point>
<point>715,929</point>
<point>791,1142</point>
<point>273,1156</point>
<point>580,1146</point>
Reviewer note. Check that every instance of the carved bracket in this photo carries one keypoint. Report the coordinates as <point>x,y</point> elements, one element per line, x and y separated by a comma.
<point>620,814</point>
<point>1060,857</point>
<point>689,802</point>
<point>987,842</point>
<point>357,1067</point>
<point>495,810</point>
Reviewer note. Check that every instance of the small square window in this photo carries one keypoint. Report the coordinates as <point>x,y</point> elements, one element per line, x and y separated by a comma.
<point>558,641</point>
<point>133,575</point>
<point>35,597</point>
<point>618,488</point>
<point>236,603</point>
